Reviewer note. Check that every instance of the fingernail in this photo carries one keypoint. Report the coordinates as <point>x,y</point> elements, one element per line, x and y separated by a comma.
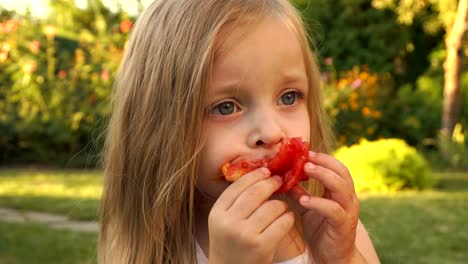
<point>311,154</point>
<point>265,171</point>
<point>304,199</point>
<point>278,179</point>
<point>309,166</point>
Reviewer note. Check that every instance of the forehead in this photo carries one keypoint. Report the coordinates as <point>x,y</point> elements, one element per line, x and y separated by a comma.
<point>269,47</point>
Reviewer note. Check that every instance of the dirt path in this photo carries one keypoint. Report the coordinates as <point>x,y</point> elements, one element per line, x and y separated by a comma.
<point>52,220</point>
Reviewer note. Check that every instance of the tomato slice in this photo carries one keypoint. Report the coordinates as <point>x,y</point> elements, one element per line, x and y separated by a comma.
<point>287,163</point>
<point>283,160</point>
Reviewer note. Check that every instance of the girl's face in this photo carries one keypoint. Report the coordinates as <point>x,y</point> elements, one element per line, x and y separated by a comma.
<point>256,97</point>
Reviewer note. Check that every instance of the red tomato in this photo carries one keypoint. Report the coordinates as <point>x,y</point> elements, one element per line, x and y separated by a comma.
<point>287,163</point>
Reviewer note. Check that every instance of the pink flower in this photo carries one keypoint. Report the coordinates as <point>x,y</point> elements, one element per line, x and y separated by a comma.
<point>62,74</point>
<point>11,25</point>
<point>35,46</point>
<point>329,61</point>
<point>126,25</point>
<point>105,75</point>
<point>356,84</point>
<point>325,76</point>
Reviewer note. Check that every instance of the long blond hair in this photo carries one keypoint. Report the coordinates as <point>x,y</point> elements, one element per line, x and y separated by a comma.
<point>154,137</point>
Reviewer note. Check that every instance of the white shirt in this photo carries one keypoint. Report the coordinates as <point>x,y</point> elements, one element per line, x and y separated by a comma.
<point>301,259</point>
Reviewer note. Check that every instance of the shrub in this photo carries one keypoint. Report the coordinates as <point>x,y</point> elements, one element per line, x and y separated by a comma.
<point>56,77</point>
<point>355,102</point>
<point>386,165</point>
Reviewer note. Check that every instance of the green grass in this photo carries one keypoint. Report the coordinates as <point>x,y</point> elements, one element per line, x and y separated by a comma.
<point>34,243</point>
<point>406,227</point>
<point>420,227</point>
<point>73,193</point>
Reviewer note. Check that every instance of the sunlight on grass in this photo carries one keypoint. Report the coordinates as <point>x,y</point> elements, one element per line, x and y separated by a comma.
<point>59,184</point>
<point>73,193</point>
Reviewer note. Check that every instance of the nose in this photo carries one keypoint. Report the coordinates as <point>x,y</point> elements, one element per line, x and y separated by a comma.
<point>266,131</point>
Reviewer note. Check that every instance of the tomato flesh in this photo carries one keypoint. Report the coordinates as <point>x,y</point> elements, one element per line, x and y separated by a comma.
<point>288,163</point>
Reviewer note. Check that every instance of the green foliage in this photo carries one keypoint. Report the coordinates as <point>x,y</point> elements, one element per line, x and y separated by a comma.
<point>436,13</point>
<point>415,112</point>
<point>386,165</point>
<point>57,73</point>
<point>454,148</point>
<point>365,104</point>
<point>356,33</point>
<point>56,82</point>
<point>355,103</point>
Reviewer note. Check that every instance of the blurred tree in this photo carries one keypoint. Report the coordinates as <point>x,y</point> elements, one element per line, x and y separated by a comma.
<point>453,19</point>
<point>356,33</point>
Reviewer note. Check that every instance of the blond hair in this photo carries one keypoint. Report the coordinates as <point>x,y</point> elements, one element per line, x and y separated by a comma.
<point>154,137</point>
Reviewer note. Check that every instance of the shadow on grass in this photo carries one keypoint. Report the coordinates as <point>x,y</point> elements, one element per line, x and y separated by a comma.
<point>74,208</point>
<point>36,243</point>
<point>452,181</point>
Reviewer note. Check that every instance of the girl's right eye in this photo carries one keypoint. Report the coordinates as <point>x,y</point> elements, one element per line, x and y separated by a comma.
<point>224,108</point>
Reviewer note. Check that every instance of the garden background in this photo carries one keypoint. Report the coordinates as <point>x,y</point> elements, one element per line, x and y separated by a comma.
<point>385,65</point>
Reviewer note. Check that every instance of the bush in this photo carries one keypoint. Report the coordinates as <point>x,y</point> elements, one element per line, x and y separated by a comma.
<point>386,165</point>
<point>355,102</point>
<point>55,83</point>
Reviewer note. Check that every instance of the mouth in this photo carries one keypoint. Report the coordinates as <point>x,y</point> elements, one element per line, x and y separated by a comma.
<point>288,162</point>
<point>258,156</point>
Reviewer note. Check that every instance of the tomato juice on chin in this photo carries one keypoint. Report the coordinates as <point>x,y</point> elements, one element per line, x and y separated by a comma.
<point>288,163</point>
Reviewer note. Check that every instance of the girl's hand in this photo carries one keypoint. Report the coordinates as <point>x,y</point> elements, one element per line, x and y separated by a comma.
<point>330,222</point>
<point>244,226</point>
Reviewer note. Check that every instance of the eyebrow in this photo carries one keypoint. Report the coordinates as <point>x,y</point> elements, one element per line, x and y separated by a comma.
<point>234,87</point>
<point>294,78</point>
<point>229,88</point>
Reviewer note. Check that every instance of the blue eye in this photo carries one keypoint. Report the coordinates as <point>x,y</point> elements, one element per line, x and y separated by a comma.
<point>289,98</point>
<point>225,108</point>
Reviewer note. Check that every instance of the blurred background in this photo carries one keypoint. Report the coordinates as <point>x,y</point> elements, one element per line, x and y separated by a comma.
<point>395,84</point>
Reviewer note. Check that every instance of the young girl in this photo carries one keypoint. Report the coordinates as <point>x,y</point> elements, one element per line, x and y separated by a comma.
<point>207,82</point>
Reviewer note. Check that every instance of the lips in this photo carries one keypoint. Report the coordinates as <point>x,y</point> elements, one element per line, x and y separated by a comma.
<point>288,163</point>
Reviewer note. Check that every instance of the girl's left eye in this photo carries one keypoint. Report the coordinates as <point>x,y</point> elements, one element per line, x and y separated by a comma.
<point>290,98</point>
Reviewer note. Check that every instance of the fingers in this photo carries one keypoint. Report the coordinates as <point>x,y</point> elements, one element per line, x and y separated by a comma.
<point>278,229</point>
<point>227,198</point>
<point>333,164</point>
<point>267,214</point>
<point>296,193</point>
<point>331,210</point>
<point>253,196</point>
<point>340,191</point>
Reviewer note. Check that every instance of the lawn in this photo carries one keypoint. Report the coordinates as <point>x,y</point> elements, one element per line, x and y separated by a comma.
<point>74,193</point>
<point>34,243</point>
<point>421,227</point>
<point>406,227</point>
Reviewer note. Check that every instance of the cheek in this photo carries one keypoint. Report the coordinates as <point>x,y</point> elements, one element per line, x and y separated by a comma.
<point>219,148</point>
<point>209,180</point>
<point>298,125</point>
